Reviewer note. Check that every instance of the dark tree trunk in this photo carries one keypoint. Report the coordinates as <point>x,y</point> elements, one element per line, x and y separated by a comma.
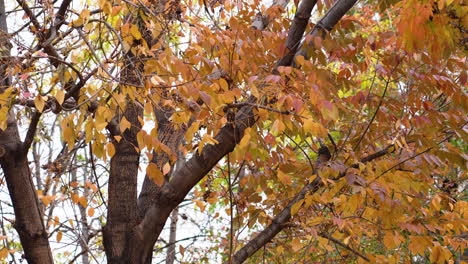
<point>13,160</point>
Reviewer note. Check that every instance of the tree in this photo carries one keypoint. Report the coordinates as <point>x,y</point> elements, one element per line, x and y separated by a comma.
<point>336,140</point>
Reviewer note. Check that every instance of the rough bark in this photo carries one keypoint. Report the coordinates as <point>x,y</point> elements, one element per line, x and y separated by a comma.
<point>122,214</point>
<point>13,160</point>
<point>170,136</point>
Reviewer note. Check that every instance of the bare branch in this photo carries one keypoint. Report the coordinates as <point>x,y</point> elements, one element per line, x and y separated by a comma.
<point>331,18</point>
<point>31,131</point>
<point>341,244</point>
<point>296,31</point>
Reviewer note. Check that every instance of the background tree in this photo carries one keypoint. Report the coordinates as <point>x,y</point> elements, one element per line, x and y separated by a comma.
<point>333,139</point>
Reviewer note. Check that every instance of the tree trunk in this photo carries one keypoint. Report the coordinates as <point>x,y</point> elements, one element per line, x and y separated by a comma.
<point>13,160</point>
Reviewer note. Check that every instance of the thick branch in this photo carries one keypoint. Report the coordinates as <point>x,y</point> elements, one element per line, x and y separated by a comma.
<point>327,23</point>
<point>183,180</point>
<point>296,31</point>
<point>30,14</point>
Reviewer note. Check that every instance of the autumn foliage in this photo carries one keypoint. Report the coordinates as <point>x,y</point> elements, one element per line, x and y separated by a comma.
<point>350,150</point>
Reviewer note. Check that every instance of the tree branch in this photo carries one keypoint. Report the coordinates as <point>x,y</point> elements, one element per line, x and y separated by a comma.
<point>184,178</point>
<point>296,31</point>
<point>336,241</point>
<point>279,222</point>
<point>328,21</point>
<point>31,131</point>
<point>30,14</point>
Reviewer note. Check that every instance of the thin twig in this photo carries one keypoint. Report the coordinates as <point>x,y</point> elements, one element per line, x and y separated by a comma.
<point>287,112</point>
<point>376,110</point>
<point>336,241</point>
<point>231,238</point>
<point>303,151</point>
<point>410,158</point>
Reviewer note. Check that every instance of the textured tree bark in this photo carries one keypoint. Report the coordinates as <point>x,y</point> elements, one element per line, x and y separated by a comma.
<point>122,214</point>
<point>13,160</point>
<point>164,200</point>
<point>170,136</point>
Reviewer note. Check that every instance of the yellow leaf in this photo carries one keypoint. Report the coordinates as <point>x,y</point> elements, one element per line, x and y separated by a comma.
<point>3,118</point>
<point>436,202</point>
<point>419,244</point>
<point>110,149</point>
<point>90,211</point>
<point>39,103</point>
<point>315,221</point>
<point>75,198</point>
<point>78,22</point>
<point>212,199</point>
<point>3,253</point>
<point>300,60</point>
<point>440,254</point>
<point>191,131</point>
<point>346,240</point>
<point>135,32</point>
<point>116,10</point>
<point>60,96</point>
<point>206,139</point>
<point>82,200</point>
<point>166,168</point>
<point>200,205</point>
<point>224,85</point>
<point>47,199</point>
<point>69,137</point>
<point>181,250</point>
<point>329,111</point>
<point>59,236</point>
<point>155,174</point>
<point>295,208</point>
<point>390,240</point>
<point>296,244</point>
<point>314,128</point>
<point>124,124</point>
<point>284,178</point>
<point>245,139</point>
<point>277,127</point>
